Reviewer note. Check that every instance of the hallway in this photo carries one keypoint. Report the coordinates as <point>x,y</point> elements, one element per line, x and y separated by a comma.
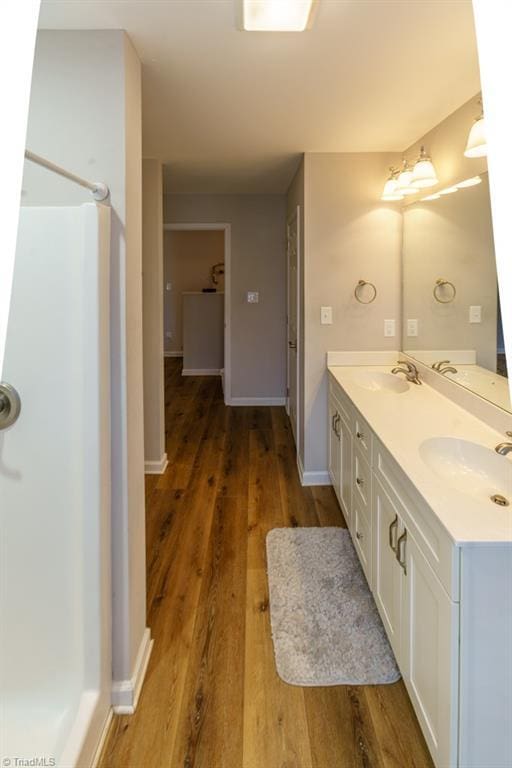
<point>212,698</point>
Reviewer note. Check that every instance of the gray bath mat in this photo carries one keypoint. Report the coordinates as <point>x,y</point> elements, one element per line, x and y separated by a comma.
<point>325,625</point>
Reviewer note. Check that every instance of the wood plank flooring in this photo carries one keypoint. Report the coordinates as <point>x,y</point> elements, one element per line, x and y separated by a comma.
<point>212,698</point>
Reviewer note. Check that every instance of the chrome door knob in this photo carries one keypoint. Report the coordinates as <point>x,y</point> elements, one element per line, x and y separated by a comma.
<point>10,405</point>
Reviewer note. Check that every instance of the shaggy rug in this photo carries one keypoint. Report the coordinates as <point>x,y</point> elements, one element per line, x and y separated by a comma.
<point>325,625</point>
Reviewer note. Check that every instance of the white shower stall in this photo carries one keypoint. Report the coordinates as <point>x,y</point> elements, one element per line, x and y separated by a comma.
<point>55,612</point>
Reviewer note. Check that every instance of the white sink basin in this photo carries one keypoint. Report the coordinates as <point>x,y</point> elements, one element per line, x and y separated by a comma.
<point>468,467</point>
<point>377,381</point>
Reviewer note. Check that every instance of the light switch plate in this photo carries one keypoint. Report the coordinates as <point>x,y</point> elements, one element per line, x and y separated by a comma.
<point>389,328</point>
<point>326,315</point>
<point>253,297</point>
<point>475,314</point>
<point>168,286</point>
<point>412,327</point>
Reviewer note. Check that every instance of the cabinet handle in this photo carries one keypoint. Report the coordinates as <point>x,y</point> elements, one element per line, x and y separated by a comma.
<point>338,419</point>
<point>359,481</point>
<point>333,422</point>
<point>401,560</point>
<point>359,535</point>
<point>393,527</point>
<point>360,435</point>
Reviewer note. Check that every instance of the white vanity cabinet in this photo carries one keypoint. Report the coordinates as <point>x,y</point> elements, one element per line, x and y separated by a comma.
<point>412,568</point>
<point>340,453</point>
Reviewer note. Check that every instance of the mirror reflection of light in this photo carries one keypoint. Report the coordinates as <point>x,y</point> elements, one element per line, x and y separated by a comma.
<point>448,190</point>
<point>469,182</point>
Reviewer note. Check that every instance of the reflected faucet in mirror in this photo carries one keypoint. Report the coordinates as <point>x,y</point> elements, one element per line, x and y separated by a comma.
<point>410,371</point>
<point>446,369</point>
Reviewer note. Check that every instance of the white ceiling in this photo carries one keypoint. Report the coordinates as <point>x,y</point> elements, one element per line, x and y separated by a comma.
<point>230,111</point>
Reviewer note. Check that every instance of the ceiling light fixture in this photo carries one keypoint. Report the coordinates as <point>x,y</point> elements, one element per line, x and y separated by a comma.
<point>469,182</point>
<point>477,143</point>
<point>391,190</point>
<point>424,174</point>
<point>276,15</point>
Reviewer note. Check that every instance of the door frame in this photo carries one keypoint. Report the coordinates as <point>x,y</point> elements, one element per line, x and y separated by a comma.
<point>295,215</point>
<point>226,228</point>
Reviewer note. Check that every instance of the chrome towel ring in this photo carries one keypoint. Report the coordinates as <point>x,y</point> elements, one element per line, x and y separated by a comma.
<point>440,282</point>
<point>361,284</point>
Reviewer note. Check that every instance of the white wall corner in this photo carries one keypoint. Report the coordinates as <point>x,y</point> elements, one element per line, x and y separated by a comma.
<point>125,693</point>
<point>156,467</point>
<point>312,478</point>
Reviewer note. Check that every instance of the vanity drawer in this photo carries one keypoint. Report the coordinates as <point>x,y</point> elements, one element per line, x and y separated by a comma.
<point>361,481</point>
<point>439,550</point>
<point>362,538</point>
<point>363,436</point>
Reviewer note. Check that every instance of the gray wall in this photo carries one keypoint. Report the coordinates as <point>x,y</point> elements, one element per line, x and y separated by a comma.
<point>85,114</point>
<point>258,262</point>
<point>152,272</point>
<point>349,235</point>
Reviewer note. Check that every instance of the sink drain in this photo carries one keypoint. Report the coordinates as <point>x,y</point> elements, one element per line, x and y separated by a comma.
<point>500,500</point>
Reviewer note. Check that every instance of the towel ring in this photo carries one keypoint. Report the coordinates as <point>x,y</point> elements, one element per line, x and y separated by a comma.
<point>361,284</point>
<point>439,284</point>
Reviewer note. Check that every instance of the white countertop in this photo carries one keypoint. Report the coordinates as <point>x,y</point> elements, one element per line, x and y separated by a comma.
<point>402,422</point>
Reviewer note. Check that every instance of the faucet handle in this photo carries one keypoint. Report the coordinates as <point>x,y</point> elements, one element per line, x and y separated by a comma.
<point>508,434</point>
<point>437,366</point>
<point>409,366</point>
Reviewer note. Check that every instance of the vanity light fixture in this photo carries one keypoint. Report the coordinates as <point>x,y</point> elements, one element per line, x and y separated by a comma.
<point>404,180</point>
<point>435,196</point>
<point>448,190</point>
<point>424,174</point>
<point>275,15</point>
<point>391,189</point>
<point>477,143</point>
<point>473,181</point>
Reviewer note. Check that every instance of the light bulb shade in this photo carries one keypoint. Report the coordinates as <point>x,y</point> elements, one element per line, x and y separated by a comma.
<point>390,187</point>
<point>477,143</point>
<point>391,190</point>
<point>424,174</point>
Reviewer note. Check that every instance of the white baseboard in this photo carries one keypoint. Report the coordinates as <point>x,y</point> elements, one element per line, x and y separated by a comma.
<point>312,478</point>
<point>103,738</point>
<point>156,467</point>
<point>125,693</point>
<point>173,354</point>
<point>201,372</point>
<point>256,401</point>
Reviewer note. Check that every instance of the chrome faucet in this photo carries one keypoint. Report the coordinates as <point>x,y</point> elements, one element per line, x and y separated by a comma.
<point>410,370</point>
<point>504,448</point>
<point>447,369</point>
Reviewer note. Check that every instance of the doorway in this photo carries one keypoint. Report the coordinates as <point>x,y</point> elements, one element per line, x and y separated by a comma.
<point>192,295</point>
<point>293,309</point>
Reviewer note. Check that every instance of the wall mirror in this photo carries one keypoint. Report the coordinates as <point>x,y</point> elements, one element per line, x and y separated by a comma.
<point>451,309</point>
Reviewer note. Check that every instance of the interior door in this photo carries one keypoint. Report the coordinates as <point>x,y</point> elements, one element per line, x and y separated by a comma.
<point>292,325</point>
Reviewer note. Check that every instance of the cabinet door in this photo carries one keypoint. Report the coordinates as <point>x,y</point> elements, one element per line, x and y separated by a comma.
<point>387,573</point>
<point>430,633</point>
<point>345,470</point>
<point>334,447</point>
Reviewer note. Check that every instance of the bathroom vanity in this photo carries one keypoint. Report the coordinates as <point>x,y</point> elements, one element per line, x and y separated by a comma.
<point>414,474</point>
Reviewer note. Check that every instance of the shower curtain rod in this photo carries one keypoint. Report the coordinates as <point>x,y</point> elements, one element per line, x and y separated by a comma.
<point>99,190</point>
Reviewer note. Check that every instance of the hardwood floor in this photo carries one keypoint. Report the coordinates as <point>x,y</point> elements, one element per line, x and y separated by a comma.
<point>212,698</point>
